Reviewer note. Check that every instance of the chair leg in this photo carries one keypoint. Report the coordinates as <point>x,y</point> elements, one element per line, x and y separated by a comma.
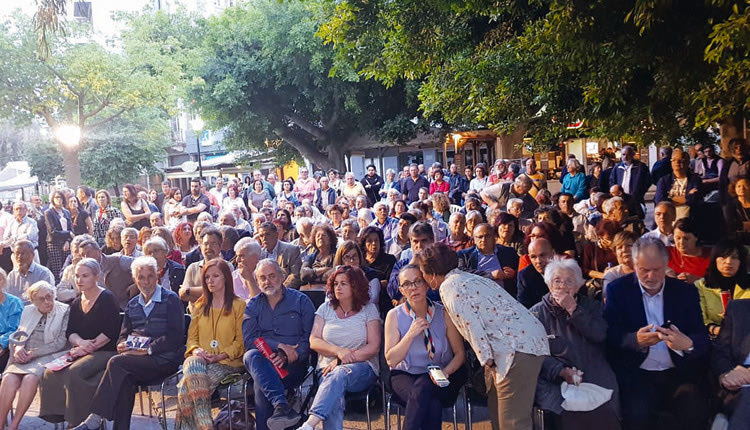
<point>164,405</point>
<point>245,402</point>
<point>140,400</point>
<point>398,417</point>
<point>367,410</point>
<point>387,411</point>
<point>150,402</point>
<point>467,403</point>
<point>229,404</point>
<point>455,418</point>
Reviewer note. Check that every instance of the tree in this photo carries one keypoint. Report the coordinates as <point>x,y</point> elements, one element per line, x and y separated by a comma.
<point>265,76</point>
<point>44,158</point>
<point>633,70</point>
<point>81,82</point>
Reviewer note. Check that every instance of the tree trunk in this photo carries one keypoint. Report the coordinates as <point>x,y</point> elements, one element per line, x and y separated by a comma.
<point>71,165</point>
<point>336,157</point>
<point>730,129</point>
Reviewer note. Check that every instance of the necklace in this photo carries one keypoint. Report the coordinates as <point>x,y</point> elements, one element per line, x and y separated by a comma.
<point>215,324</point>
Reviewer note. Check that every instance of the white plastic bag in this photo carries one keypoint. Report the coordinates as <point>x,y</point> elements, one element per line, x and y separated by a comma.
<point>583,397</point>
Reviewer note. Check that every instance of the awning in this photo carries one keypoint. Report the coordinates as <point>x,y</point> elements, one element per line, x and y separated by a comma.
<point>16,175</point>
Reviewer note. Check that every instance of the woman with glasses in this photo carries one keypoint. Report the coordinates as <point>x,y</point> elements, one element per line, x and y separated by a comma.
<point>419,334</point>
<point>577,331</point>
<point>350,254</point>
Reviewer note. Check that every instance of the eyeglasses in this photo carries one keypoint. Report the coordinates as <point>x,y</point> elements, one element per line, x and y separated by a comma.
<point>558,282</point>
<point>419,283</point>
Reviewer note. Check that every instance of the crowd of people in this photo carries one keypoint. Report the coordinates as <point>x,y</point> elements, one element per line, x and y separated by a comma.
<point>432,278</point>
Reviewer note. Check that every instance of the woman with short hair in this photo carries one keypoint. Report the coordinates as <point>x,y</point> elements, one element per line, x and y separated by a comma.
<point>346,336</point>
<point>214,346</point>
<point>419,333</point>
<point>65,395</point>
<point>623,246</point>
<point>40,339</point>
<point>687,260</point>
<point>575,181</point>
<point>577,332</point>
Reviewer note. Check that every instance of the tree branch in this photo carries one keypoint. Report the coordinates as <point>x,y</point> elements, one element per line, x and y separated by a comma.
<point>51,122</point>
<point>106,120</point>
<point>101,106</point>
<point>64,81</point>
<point>307,126</point>
<point>308,149</point>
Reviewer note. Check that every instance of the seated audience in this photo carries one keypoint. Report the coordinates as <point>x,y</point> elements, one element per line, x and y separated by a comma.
<point>687,261</point>
<point>157,314</point>
<point>737,210</point>
<point>350,254</point>
<point>283,318</point>
<point>545,231</point>
<point>457,238</point>
<point>26,272</point>
<point>682,187</point>
<point>247,253</point>
<point>286,254</point>
<point>487,258</point>
<point>730,361</point>
<point>400,239</point>
<point>214,346</point>
<point>421,235</point>
<point>10,315</point>
<point>623,246</point>
<point>726,276</point>
<point>600,255</point>
<point>317,267</point>
<point>39,340</point>
<point>664,218</point>
<point>93,327</point>
<point>419,333</point>
<point>657,343</point>
<point>577,354</point>
<point>531,285</point>
<point>346,336</point>
<point>172,274</point>
<point>508,232</point>
<point>210,248</point>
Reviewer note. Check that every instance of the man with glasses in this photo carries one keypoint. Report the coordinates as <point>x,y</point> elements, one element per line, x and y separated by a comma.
<point>305,187</point>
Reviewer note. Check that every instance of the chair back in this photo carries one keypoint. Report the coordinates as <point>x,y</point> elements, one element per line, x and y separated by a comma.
<point>317,297</point>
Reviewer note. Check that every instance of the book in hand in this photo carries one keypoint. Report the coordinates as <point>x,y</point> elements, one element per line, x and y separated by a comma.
<point>135,342</point>
<point>60,363</point>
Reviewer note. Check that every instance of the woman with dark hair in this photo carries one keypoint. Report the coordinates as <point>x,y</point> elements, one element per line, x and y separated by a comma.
<point>418,334</point>
<point>164,233</point>
<point>593,180</point>
<point>59,232</point>
<point>687,260</point>
<point>257,196</point>
<point>737,165</point>
<point>81,220</point>
<point>439,185</point>
<point>346,336</point>
<point>350,254</point>
<point>134,209</point>
<point>600,255</point>
<point>508,233</point>
<point>481,180</point>
<point>184,239</point>
<point>399,207</point>
<point>316,268</point>
<point>507,339</point>
<point>372,243</point>
<point>547,231</point>
<point>726,276</point>
<point>553,215</point>
<point>287,192</point>
<point>283,222</point>
<point>103,216</point>
<point>172,208</point>
<point>737,210</point>
<point>214,346</point>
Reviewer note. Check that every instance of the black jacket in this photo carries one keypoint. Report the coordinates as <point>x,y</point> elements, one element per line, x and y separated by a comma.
<point>531,286</point>
<point>733,344</point>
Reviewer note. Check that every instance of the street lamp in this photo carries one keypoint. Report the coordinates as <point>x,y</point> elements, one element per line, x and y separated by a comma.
<point>197,126</point>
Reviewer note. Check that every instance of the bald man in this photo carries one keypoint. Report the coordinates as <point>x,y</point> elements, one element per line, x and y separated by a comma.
<point>531,285</point>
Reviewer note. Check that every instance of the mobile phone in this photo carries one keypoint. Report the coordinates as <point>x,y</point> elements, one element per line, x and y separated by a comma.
<point>438,377</point>
<point>667,324</point>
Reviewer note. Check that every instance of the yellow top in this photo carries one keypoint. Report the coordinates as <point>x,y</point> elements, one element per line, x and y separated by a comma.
<point>711,304</point>
<point>226,329</point>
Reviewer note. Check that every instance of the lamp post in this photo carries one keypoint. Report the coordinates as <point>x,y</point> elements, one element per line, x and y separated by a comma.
<point>70,138</point>
<point>197,125</point>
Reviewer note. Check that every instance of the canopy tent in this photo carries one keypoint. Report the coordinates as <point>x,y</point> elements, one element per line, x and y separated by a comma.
<point>16,175</point>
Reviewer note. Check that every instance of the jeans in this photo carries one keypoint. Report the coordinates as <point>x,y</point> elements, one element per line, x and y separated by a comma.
<point>269,388</point>
<point>329,403</point>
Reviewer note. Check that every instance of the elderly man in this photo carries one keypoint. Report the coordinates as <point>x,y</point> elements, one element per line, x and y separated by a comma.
<point>457,238</point>
<point>283,319</point>
<point>325,195</point>
<point>25,272</point>
<point>665,215</point>
<point>682,187</point>
<point>305,187</point>
<point>156,219</point>
<point>384,222</point>
<point>210,247</point>
<point>286,254</point>
<point>21,227</point>
<point>657,343</point>
<point>487,258</point>
<point>531,285</point>
<point>129,241</point>
<point>155,313</point>
<point>412,184</point>
<point>304,228</point>
<point>247,253</point>
<point>115,274</point>
<point>663,166</point>
<point>538,179</point>
<point>219,192</point>
<point>498,195</point>
<point>632,175</point>
<point>351,189</point>
<point>171,273</point>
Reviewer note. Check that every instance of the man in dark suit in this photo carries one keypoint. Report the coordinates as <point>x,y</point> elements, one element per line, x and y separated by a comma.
<point>631,174</point>
<point>730,361</point>
<point>663,166</point>
<point>531,285</point>
<point>657,344</point>
<point>490,260</point>
<point>286,254</point>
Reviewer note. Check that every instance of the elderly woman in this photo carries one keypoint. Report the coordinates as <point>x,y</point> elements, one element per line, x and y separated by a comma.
<point>247,252</point>
<point>103,216</point>
<point>346,336</point>
<point>687,260</point>
<point>575,181</point>
<point>316,267</point>
<point>214,346</point>
<point>10,315</point>
<point>39,340</point>
<point>390,183</point>
<point>59,232</point>
<point>150,347</point>
<point>350,254</point>
<point>135,209</point>
<point>623,246</point>
<point>233,198</point>
<point>577,332</point>
<point>419,333</point>
<point>65,395</point>
<point>726,276</point>
<point>365,216</point>
<point>113,240</point>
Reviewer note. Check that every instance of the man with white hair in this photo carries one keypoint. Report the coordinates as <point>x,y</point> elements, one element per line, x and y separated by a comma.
<point>657,343</point>
<point>21,227</point>
<point>351,189</point>
<point>305,187</point>
<point>171,273</point>
<point>325,195</point>
<point>498,195</point>
<point>384,222</point>
<point>247,252</point>
<point>26,272</point>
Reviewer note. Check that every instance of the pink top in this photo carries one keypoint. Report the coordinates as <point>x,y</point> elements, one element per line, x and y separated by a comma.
<point>443,188</point>
<point>305,189</point>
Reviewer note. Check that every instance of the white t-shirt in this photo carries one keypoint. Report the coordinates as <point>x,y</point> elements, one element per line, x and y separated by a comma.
<point>348,332</point>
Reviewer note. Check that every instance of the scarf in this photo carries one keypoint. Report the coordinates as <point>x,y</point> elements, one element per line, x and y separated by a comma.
<point>427,335</point>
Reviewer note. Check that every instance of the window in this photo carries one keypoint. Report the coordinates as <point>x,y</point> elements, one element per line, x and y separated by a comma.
<point>82,10</point>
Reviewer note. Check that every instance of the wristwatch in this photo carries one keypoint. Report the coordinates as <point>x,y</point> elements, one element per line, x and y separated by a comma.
<point>689,350</point>
<point>148,351</point>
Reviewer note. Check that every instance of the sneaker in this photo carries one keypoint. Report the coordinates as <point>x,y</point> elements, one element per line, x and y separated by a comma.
<point>283,416</point>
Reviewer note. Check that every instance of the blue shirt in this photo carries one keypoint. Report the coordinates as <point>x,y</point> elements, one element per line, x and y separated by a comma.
<point>290,322</point>
<point>155,298</point>
<point>389,228</point>
<point>10,316</point>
